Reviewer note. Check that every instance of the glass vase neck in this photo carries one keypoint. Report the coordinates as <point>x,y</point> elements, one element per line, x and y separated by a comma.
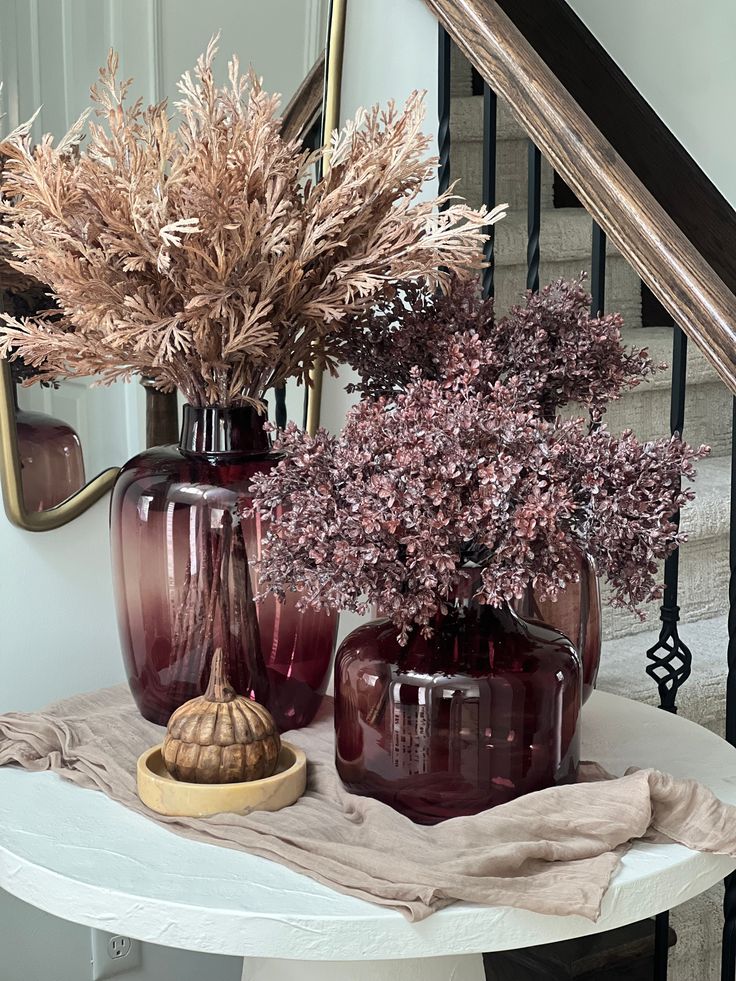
<point>214,431</point>
<point>463,606</point>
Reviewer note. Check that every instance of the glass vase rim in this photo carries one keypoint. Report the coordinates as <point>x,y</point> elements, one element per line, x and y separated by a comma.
<point>224,431</point>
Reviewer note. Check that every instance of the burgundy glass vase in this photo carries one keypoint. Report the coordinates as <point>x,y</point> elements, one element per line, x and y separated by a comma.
<point>481,712</point>
<point>184,551</point>
<point>577,614</point>
<point>52,465</point>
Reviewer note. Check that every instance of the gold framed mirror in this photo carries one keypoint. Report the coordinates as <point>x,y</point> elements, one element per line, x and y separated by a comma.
<point>11,482</point>
<point>322,83</point>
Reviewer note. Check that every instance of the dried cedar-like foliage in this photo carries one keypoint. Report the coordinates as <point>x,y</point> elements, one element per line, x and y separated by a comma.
<point>202,255</point>
<point>20,296</point>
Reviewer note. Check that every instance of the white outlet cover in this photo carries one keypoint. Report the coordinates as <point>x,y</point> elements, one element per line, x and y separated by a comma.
<point>113,955</point>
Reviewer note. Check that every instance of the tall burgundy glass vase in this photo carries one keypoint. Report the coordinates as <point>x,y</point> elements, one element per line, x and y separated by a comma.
<point>577,614</point>
<point>51,460</point>
<point>183,568</point>
<point>481,712</point>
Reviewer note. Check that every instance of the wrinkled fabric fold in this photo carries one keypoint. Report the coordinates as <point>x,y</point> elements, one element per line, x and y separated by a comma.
<point>551,852</point>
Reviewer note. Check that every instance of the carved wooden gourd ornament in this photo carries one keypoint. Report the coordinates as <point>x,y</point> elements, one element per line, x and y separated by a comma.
<point>221,737</point>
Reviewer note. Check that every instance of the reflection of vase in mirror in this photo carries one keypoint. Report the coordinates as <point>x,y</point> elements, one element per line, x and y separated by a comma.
<point>481,712</point>
<point>184,548</point>
<point>577,614</point>
<point>51,460</point>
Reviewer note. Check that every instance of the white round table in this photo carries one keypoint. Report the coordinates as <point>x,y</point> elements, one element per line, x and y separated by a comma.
<point>80,856</point>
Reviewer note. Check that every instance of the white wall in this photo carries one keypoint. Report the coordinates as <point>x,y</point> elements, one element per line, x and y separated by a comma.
<point>680,55</point>
<point>390,50</point>
<point>57,621</point>
<point>57,625</point>
<point>45,948</point>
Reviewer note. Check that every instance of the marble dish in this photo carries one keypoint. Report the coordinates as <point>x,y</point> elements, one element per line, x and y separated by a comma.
<point>177,798</point>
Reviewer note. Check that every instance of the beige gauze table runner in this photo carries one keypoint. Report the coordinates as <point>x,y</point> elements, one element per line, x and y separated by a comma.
<point>552,852</point>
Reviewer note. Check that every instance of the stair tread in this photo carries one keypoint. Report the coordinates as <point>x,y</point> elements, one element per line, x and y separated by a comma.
<point>466,120</point>
<point>658,341</point>
<point>708,515</point>
<point>565,234</point>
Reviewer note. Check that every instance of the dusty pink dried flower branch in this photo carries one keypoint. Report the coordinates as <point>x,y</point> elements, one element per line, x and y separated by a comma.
<point>203,257</point>
<point>412,328</point>
<point>564,354</point>
<point>447,473</point>
<point>550,343</point>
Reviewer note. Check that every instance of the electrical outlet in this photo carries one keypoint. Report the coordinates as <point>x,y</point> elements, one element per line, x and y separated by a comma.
<point>113,955</point>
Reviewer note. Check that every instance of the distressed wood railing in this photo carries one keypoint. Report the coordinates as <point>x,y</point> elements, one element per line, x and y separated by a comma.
<point>679,275</point>
<point>304,110</point>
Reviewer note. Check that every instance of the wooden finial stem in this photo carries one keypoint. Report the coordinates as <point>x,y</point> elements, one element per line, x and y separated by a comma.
<point>219,688</point>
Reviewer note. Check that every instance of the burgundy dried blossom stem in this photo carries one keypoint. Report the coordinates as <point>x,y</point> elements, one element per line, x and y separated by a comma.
<point>550,344</point>
<point>456,469</point>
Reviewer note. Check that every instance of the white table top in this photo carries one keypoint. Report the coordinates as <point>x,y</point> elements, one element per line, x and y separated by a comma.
<point>79,855</point>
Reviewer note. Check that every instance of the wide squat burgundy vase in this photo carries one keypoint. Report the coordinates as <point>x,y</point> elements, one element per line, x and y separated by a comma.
<point>577,614</point>
<point>51,460</point>
<point>480,713</point>
<point>184,550</point>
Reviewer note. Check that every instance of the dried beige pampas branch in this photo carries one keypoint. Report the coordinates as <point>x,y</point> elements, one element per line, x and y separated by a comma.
<point>204,256</point>
<point>11,281</point>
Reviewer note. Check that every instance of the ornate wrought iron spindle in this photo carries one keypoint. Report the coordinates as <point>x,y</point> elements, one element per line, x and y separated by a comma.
<point>489,177</point>
<point>670,658</point>
<point>534,215</point>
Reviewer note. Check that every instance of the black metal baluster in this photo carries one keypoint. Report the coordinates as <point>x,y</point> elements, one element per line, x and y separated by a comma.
<point>314,136</point>
<point>670,657</point>
<point>728,951</point>
<point>280,406</point>
<point>661,945</point>
<point>534,216</point>
<point>598,271</point>
<point>489,177</point>
<point>443,111</point>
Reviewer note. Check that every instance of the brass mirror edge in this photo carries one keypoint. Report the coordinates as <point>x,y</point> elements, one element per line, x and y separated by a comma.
<point>331,118</point>
<point>10,475</point>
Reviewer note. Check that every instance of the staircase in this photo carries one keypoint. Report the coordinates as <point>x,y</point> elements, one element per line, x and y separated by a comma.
<point>565,249</point>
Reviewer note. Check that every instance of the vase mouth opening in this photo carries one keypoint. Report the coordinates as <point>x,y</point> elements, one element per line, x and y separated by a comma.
<point>467,587</point>
<point>212,430</point>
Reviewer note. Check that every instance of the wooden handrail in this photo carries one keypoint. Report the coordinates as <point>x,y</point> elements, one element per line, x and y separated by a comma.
<point>616,107</point>
<point>305,105</point>
<point>648,237</point>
